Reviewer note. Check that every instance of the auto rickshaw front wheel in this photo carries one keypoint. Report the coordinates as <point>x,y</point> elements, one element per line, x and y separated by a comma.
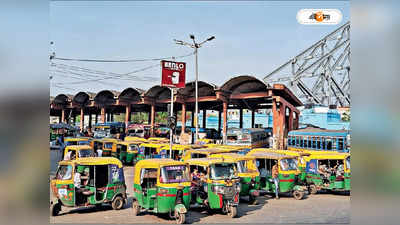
<point>313,189</point>
<point>232,211</point>
<point>117,203</point>
<point>180,217</point>
<point>298,195</point>
<point>55,209</point>
<point>135,207</point>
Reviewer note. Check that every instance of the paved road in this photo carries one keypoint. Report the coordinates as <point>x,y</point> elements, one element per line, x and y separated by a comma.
<point>320,208</point>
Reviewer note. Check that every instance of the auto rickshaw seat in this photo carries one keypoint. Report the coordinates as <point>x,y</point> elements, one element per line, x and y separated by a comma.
<point>88,192</point>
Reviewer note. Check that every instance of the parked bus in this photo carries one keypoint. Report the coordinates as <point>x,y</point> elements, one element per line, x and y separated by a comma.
<point>102,130</point>
<point>319,139</point>
<point>250,137</point>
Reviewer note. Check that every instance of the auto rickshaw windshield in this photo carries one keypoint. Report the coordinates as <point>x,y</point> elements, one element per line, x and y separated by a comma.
<point>108,145</point>
<point>84,143</point>
<point>133,147</point>
<point>64,172</point>
<point>222,171</point>
<point>241,166</point>
<point>174,174</point>
<point>288,164</point>
<point>85,153</point>
<point>68,143</point>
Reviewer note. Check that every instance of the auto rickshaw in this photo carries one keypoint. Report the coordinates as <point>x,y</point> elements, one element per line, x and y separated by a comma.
<point>249,178</point>
<point>76,141</point>
<point>287,173</point>
<point>132,152</point>
<point>162,186</point>
<point>205,152</point>
<point>107,146</point>
<point>177,150</point>
<point>120,150</point>
<point>216,184</point>
<point>301,161</point>
<point>96,144</point>
<point>328,172</point>
<point>78,151</point>
<point>102,181</point>
<point>150,150</point>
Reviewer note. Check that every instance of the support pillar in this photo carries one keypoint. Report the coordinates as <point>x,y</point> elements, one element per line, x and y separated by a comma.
<point>240,118</point>
<point>103,115</point>
<point>225,118</point>
<point>96,119</point>
<point>127,115</point>
<point>219,122</point>
<point>183,118</point>
<point>90,120</point>
<point>152,119</point>
<point>296,123</point>
<point>82,120</point>
<point>253,118</point>
<point>112,117</point>
<point>290,120</point>
<point>204,118</point>
<point>63,115</point>
<point>192,118</point>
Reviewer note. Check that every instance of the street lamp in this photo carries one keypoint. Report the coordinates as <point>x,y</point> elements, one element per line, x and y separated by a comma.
<point>196,46</point>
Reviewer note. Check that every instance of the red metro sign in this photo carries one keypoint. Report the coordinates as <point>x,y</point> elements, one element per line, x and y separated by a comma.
<point>173,74</point>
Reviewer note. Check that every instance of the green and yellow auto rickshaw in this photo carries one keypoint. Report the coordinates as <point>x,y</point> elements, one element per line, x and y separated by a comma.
<point>78,151</point>
<point>150,150</point>
<point>249,178</point>
<point>328,172</point>
<point>287,173</point>
<point>162,186</point>
<point>120,150</point>
<point>132,152</point>
<point>108,146</point>
<point>215,184</point>
<point>102,181</point>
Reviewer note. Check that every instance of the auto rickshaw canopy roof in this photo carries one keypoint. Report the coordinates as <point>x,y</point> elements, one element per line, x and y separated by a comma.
<point>77,138</point>
<point>208,161</point>
<point>333,156</point>
<point>210,150</point>
<point>156,163</point>
<point>129,138</point>
<point>233,156</point>
<point>153,145</point>
<point>287,152</point>
<point>269,155</point>
<point>78,147</point>
<point>93,161</point>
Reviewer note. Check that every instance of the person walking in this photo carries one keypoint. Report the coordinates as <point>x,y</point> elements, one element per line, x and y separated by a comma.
<point>275,177</point>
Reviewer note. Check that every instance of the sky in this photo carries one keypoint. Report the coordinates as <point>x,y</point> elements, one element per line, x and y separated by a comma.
<point>251,38</point>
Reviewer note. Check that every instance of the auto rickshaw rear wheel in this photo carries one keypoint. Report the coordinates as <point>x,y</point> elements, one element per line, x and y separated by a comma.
<point>180,217</point>
<point>298,195</point>
<point>117,203</point>
<point>232,211</point>
<point>55,209</point>
<point>135,208</point>
<point>313,189</point>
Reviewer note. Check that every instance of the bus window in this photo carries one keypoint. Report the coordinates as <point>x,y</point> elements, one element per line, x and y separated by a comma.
<point>334,144</point>
<point>314,142</point>
<point>301,142</point>
<point>340,144</point>
<point>323,143</point>
<point>328,144</point>
<point>297,141</point>
<point>319,143</point>
<point>309,144</point>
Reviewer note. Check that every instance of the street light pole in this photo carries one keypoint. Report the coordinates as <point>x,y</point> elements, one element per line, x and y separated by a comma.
<point>196,46</point>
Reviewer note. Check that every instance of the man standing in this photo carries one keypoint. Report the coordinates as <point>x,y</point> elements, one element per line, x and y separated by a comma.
<point>275,173</point>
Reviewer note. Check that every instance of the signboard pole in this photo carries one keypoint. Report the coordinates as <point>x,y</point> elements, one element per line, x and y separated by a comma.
<point>170,130</point>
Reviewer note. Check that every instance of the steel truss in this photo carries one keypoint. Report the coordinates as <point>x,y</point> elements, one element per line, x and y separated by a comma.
<point>321,73</point>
